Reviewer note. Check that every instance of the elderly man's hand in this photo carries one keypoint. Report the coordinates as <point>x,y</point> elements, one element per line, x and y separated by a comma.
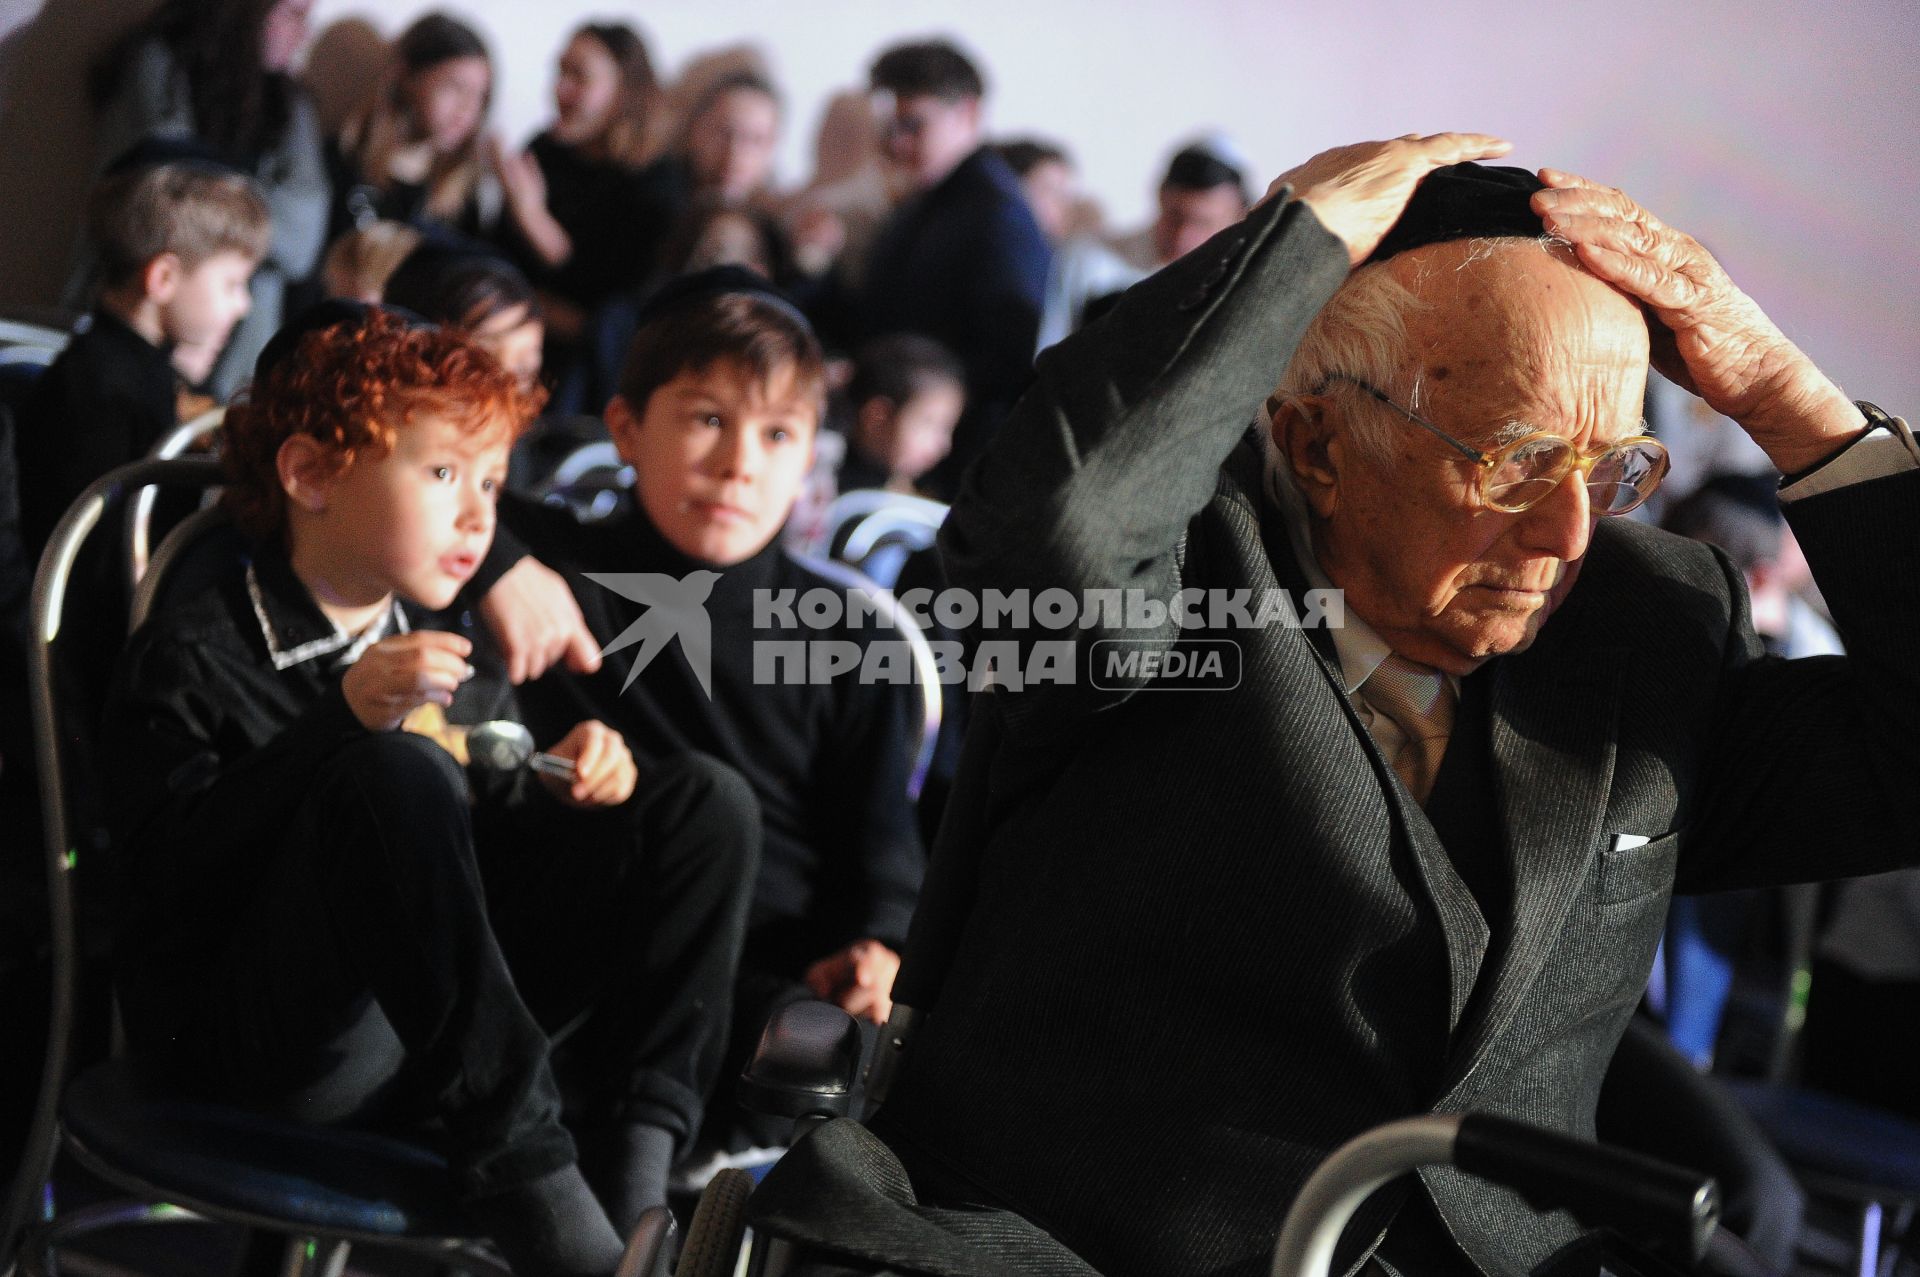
<point>1717,342</point>
<point>1358,192</point>
<point>538,622</point>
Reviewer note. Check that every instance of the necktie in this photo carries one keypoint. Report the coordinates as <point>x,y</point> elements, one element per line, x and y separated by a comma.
<point>1419,701</point>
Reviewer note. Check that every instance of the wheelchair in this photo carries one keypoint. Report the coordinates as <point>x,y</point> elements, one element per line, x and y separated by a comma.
<point>807,1065</point>
<point>808,1068</point>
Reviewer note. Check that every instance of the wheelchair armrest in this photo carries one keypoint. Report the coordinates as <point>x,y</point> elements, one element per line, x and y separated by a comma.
<point>806,1063</point>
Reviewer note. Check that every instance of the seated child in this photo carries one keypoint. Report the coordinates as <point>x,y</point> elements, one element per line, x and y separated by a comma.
<point>906,394</point>
<point>721,397</point>
<point>324,918</point>
<point>176,239</point>
<point>177,243</point>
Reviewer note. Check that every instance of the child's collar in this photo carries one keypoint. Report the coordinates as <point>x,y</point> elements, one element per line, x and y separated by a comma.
<point>292,625</point>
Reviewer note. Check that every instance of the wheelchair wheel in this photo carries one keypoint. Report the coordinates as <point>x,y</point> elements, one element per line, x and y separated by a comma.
<point>719,1224</point>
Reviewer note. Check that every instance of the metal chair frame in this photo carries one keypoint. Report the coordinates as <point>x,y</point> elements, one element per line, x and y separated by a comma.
<point>140,508</point>
<point>926,668</point>
<point>24,343</point>
<point>849,508</point>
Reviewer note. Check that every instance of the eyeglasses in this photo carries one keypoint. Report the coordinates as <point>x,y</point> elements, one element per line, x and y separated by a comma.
<point>1525,472</point>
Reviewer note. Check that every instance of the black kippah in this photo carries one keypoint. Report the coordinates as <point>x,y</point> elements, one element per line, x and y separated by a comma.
<point>320,315</point>
<point>154,150</point>
<point>717,281</point>
<point>1465,201</point>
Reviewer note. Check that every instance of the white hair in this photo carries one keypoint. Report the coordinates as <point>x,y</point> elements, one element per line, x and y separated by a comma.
<point>1361,333</point>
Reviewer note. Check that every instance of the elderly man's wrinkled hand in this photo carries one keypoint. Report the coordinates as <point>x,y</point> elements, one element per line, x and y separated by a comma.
<point>1716,340</point>
<point>538,623</point>
<point>1358,192</point>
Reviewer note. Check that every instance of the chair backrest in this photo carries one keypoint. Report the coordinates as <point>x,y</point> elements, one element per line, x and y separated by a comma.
<point>192,436</point>
<point>881,543</point>
<point>591,481</point>
<point>851,509</point>
<point>926,669</point>
<point>58,852</point>
<point>35,344</point>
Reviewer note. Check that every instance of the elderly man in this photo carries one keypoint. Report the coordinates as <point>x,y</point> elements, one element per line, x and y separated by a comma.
<point>1416,864</point>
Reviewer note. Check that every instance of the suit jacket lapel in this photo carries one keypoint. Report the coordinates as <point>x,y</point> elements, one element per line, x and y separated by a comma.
<point>1554,717</point>
<point>1461,923</point>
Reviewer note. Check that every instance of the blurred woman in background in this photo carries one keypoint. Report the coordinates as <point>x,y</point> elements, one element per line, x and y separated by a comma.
<point>414,151</point>
<point>582,220</point>
<point>217,71</point>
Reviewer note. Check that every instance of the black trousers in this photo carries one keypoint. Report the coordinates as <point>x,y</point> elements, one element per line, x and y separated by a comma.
<point>405,957</point>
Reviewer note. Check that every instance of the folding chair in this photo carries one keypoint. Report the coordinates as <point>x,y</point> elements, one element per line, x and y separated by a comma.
<point>30,344</point>
<point>592,480</point>
<point>324,1189</point>
<point>180,441</point>
<point>925,668</point>
<point>875,530</point>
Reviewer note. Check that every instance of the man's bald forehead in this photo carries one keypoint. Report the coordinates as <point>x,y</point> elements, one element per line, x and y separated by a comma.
<point>1477,281</point>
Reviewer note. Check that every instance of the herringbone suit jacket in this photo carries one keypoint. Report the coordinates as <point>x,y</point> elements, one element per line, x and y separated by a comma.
<point>1213,937</point>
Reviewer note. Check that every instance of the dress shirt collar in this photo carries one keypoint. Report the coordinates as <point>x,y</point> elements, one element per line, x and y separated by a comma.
<point>292,625</point>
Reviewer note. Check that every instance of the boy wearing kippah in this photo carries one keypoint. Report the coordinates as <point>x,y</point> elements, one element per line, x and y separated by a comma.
<point>719,403</point>
<point>325,916</point>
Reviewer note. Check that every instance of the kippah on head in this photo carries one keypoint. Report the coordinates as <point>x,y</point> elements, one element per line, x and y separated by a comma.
<point>321,315</point>
<point>716,281</point>
<point>153,151</point>
<point>1465,201</point>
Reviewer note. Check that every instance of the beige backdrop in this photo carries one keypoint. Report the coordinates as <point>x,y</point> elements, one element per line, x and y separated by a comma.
<point>1780,133</point>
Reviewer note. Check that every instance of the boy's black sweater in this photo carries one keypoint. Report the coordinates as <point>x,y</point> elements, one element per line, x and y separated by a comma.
<point>843,858</point>
<point>105,401</point>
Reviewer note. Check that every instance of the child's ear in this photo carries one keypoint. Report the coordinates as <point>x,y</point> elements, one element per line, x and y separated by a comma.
<point>160,278</point>
<point>307,472</point>
<point>872,418</point>
<point>623,427</point>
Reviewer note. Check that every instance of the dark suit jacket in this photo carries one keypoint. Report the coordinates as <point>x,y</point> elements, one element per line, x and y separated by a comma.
<point>1214,937</point>
<point>965,264</point>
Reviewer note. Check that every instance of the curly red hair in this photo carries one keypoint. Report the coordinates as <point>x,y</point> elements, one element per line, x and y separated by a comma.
<point>353,387</point>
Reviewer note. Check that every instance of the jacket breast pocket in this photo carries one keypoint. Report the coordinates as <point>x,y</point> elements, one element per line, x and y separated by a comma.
<point>1627,873</point>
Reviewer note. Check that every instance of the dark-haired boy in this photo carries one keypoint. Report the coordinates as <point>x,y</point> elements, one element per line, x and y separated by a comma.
<point>325,918</point>
<point>720,401</point>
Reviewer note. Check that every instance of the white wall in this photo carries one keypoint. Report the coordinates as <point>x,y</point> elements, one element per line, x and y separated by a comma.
<point>1780,133</point>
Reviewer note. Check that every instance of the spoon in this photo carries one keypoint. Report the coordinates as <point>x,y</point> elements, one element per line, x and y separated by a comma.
<point>502,745</point>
